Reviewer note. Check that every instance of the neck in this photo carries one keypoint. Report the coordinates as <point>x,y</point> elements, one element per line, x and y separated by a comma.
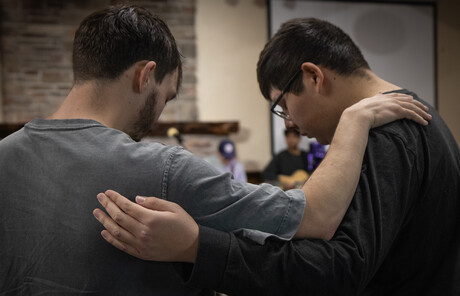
<point>340,92</point>
<point>357,87</point>
<point>97,102</point>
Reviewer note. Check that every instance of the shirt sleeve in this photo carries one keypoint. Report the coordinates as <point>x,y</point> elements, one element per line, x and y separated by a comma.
<point>341,266</point>
<point>217,200</point>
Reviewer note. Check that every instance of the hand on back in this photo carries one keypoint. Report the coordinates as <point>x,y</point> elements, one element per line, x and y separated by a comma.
<point>158,230</point>
<point>384,108</point>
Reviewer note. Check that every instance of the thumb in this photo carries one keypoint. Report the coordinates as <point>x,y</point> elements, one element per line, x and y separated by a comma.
<point>156,204</point>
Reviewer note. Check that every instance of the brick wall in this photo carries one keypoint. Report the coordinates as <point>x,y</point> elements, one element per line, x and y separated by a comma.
<point>36,46</point>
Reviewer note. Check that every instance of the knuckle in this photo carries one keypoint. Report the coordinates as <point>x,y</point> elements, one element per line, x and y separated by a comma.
<point>151,202</point>
<point>114,196</point>
<point>127,207</point>
<point>151,222</point>
<point>116,233</point>
<point>107,237</point>
<point>144,236</point>
<point>123,247</point>
<point>118,217</point>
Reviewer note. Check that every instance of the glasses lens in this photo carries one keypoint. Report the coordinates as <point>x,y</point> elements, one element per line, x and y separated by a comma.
<point>279,111</point>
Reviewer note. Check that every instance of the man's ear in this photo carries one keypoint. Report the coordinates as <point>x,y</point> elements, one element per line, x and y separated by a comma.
<point>315,76</point>
<point>144,75</point>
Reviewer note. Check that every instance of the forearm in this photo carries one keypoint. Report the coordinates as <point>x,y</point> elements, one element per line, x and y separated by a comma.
<point>235,265</point>
<point>330,189</point>
<point>341,266</point>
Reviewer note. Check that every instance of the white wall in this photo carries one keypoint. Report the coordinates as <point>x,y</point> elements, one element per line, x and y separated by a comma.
<point>230,39</point>
<point>388,35</point>
<point>230,36</point>
<point>449,64</point>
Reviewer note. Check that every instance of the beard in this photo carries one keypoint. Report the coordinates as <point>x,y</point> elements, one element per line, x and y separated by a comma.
<point>146,118</point>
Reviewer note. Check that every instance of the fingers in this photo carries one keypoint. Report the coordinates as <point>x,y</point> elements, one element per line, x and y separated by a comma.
<point>413,109</point>
<point>121,230</point>
<point>157,204</point>
<point>409,102</point>
<point>384,108</point>
<point>169,233</point>
<point>129,226</point>
<point>115,230</point>
<point>416,111</point>
<point>130,208</point>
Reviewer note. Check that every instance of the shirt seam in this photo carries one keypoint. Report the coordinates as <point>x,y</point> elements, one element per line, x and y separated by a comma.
<point>168,167</point>
<point>285,216</point>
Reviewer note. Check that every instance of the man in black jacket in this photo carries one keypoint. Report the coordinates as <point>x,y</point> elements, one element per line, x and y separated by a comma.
<point>401,233</point>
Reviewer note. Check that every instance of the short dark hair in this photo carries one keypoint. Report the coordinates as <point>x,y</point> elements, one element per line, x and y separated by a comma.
<point>111,40</point>
<point>306,40</point>
<point>291,131</point>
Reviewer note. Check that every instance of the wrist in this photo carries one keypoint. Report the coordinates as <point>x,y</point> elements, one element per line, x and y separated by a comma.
<point>353,115</point>
<point>192,251</point>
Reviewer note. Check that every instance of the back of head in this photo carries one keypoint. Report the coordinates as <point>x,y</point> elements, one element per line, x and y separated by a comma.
<point>306,40</point>
<point>110,41</point>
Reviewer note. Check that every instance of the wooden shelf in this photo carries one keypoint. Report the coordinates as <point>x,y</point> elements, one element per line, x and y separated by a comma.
<point>161,129</point>
<point>204,128</point>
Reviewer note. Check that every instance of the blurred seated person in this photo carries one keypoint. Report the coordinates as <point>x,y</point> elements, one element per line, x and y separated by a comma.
<point>227,153</point>
<point>288,169</point>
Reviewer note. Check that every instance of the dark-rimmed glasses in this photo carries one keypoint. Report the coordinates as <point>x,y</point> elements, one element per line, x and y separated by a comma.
<point>281,113</point>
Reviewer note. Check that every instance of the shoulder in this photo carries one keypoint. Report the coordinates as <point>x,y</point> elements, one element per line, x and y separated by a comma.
<point>12,142</point>
<point>405,131</point>
<point>165,153</point>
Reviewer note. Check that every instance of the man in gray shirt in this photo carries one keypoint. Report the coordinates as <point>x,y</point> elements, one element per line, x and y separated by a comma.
<point>126,68</point>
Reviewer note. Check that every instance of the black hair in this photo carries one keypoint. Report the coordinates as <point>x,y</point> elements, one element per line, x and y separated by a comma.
<point>110,41</point>
<point>306,40</point>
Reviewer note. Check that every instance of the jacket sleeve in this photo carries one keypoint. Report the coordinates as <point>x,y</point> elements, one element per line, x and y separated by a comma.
<point>342,266</point>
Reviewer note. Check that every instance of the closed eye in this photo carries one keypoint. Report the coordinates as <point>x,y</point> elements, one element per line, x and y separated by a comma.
<point>171,98</point>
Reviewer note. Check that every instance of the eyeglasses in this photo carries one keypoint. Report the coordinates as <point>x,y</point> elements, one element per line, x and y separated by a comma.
<point>279,111</point>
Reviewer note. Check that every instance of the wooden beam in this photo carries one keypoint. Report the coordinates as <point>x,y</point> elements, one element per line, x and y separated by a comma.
<point>161,129</point>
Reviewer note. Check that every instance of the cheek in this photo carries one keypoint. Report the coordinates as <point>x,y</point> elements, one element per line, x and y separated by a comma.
<point>306,120</point>
<point>299,115</point>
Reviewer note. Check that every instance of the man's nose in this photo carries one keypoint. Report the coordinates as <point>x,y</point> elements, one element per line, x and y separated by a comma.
<point>289,124</point>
